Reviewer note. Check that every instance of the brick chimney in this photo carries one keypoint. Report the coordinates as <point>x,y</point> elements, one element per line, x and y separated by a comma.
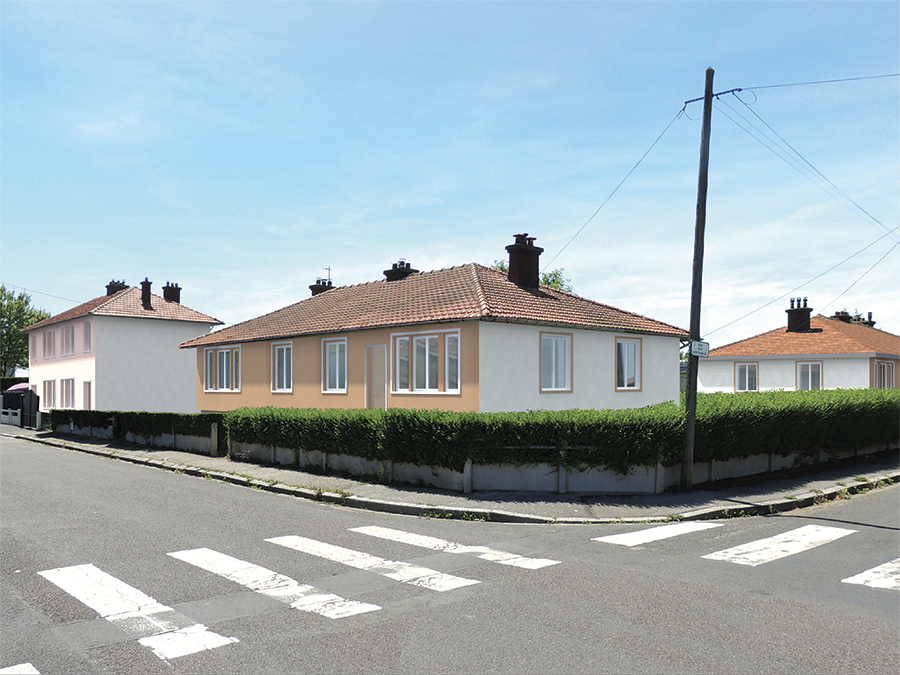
<point>172,293</point>
<point>399,270</point>
<point>114,287</point>
<point>798,317</point>
<point>145,293</point>
<point>524,257</point>
<point>841,315</point>
<point>867,322</point>
<point>321,286</point>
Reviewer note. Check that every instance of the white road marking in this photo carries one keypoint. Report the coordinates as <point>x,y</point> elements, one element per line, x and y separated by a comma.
<point>20,669</point>
<point>436,544</point>
<point>655,533</point>
<point>277,586</point>
<point>168,633</point>
<point>780,546</point>
<point>398,571</point>
<point>883,576</point>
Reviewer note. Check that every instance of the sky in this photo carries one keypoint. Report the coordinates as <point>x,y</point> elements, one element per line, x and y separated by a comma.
<point>245,149</point>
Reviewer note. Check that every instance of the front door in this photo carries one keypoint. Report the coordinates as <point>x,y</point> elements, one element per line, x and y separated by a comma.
<point>376,376</point>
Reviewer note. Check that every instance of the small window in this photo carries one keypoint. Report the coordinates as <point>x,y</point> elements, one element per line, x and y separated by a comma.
<point>335,380</point>
<point>67,393</point>
<point>555,362</point>
<point>87,336</point>
<point>68,340</point>
<point>49,344</point>
<point>402,364</point>
<point>746,377</point>
<point>425,363</point>
<point>282,368</point>
<point>223,369</point>
<point>628,364</point>
<point>48,400</point>
<point>86,401</point>
<point>809,376</point>
<point>33,349</point>
<point>453,362</point>
<point>884,375</point>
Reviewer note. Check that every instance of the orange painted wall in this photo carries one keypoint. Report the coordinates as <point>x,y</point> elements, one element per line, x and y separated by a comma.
<point>307,357</point>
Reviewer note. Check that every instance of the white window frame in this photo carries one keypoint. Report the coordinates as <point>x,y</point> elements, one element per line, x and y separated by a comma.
<point>49,344</point>
<point>451,354</point>
<point>67,338</point>
<point>402,379</point>
<point>86,403</point>
<point>87,337</point>
<point>403,356</point>
<point>741,383</point>
<point>33,345</point>
<point>884,374</point>
<point>560,375</point>
<point>818,366</point>
<point>48,400</point>
<point>213,357</point>
<point>426,372</point>
<point>635,373</point>
<point>67,393</point>
<point>334,352</point>
<point>282,368</point>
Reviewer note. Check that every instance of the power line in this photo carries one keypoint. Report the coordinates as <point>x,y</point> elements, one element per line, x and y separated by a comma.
<point>803,84</point>
<point>806,283</point>
<point>680,113</point>
<point>29,290</point>
<point>862,275</point>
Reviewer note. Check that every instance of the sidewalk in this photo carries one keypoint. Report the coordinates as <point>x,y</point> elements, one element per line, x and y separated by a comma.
<point>728,498</point>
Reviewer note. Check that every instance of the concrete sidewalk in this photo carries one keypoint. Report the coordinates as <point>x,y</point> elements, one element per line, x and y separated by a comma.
<point>724,499</point>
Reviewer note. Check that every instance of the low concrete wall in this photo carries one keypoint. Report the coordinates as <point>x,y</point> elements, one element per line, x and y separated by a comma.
<point>483,477</point>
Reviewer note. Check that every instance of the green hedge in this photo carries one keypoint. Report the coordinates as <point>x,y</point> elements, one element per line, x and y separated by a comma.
<point>728,426</point>
<point>144,424</point>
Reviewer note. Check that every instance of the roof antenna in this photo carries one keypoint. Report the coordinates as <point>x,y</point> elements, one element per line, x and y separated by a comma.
<point>328,269</point>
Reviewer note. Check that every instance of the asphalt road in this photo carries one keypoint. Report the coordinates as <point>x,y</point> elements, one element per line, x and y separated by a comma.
<point>90,584</point>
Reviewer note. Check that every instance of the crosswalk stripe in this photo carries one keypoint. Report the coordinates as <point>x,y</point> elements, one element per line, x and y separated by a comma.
<point>435,544</point>
<point>302,597</point>
<point>780,546</point>
<point>20,669</point>
<point>398,571</point>
<point>655,533</point>
<point>167,632</point>
<point>883,576</point>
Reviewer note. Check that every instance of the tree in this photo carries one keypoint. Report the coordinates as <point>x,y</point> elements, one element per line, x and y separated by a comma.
<point>16,313</point>
<point>553,278</point>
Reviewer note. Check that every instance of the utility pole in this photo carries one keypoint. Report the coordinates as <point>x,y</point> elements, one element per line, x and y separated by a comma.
<point>687,463</point>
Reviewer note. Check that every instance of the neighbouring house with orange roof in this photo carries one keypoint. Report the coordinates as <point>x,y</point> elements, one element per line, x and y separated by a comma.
<point>810,353</point>
<point>467,338</point>
<point>118,352</point>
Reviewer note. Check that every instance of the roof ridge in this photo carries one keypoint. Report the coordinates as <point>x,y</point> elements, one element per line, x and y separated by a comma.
<point>483,306</point>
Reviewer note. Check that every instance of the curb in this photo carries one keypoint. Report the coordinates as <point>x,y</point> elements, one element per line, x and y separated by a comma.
<point>804,500</point>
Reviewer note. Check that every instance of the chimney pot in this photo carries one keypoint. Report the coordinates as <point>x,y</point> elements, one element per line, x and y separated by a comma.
<point>524,257</point>
<point>115,286</point>
<point>798,317</point>
<point>145,293</point>
<point>172,293</point>
<point>399,270</point>
<point>320,286</point>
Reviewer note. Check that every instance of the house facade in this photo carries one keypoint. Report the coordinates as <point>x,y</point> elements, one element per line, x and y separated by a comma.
<point>467,338</point>
<point>810,353</point>
<point>118,352</point>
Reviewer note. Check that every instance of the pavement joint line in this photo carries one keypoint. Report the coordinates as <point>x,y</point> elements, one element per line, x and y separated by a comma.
<point>717,512</point>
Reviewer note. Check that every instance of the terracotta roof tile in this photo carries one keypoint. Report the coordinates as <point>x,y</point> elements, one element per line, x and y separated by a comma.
<point>828,336</point>
<point>128,303</point>
<point>467,292</point>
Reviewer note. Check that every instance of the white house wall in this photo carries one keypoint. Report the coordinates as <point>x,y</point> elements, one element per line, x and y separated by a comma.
<point>509,370</point>
<point>838,372</point>
<point>139,365</point>
<point>78,366</point>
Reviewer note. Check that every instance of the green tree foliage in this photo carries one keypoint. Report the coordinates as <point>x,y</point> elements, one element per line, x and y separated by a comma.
<point>16,313</point>
<point>553,278</point>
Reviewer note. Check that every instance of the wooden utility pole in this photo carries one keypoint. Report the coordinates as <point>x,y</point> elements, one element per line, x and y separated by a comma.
<point>687,463</point>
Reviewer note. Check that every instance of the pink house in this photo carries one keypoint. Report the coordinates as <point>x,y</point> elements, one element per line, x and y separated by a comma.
<point>118,352</point>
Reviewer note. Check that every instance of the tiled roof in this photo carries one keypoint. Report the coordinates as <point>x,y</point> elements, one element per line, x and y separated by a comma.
<point>828,336</point>
<point>128,303</point>
<point>467,292</point>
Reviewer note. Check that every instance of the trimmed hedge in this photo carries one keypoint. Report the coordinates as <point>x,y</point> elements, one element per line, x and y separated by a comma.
<point>728,425</point>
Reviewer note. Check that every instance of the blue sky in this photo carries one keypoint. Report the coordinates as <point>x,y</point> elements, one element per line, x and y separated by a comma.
<point>239,149</point>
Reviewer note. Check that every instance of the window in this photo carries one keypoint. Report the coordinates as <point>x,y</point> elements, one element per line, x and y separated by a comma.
<point>555,362</point>
<point>453,362</point>
<point>49,344</point>
<point>33,350</point>
<point>425,363</point>
<point>48,400</point>
<point>86,401</point>
<point>335,358</point>
<point>745,377</point>
<point>87,336</point>
<point>809,376</point>
<point>68,340</point>
<point>884,375</point>
<point>67,393</point>
<point>628,364</point>
<point>402,364</point>
<point>282,367</point>
<point>223,369</point>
